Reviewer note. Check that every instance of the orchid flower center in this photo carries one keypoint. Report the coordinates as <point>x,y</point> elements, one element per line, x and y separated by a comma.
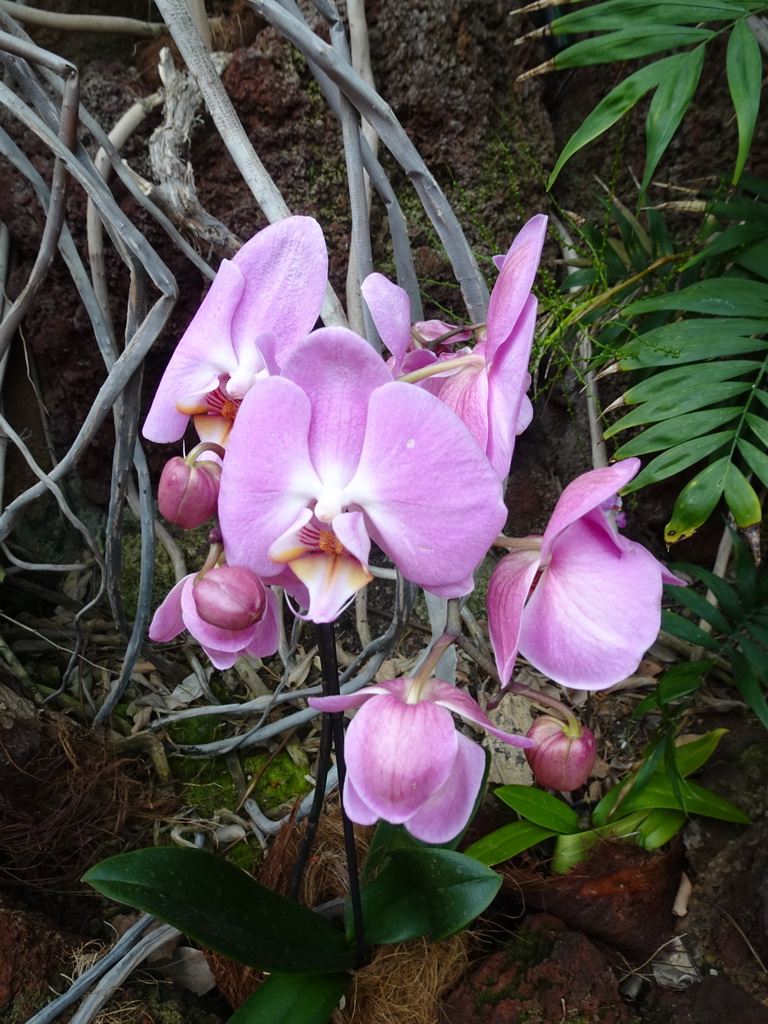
<point>320,539</point>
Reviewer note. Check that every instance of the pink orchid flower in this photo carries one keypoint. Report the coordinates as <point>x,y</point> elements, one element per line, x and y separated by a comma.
<point>485,386</point>
<point>334,454</point>
<point>262,302</point>
<point>181,610</point>
<point>406,762</point>
<point>582,603</point>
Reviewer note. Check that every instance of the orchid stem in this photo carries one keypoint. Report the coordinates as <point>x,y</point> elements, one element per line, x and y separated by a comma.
<point>541,698</point>
<point>326,641</point>
<point>313,818</point>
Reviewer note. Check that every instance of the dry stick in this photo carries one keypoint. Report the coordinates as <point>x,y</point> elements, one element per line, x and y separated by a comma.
<point>380,115</point>
<point>233,135</point>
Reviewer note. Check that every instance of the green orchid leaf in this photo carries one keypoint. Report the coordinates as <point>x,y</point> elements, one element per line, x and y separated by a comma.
<point>696,501</point>
<point>425,892</point>
<point>659,827</point>
<point>668,106</point>
<point>659,792</point>
<point>293,999</point>
<point>573,849</point>
<point>508,841</point>
<point>730,240</point>
<point>741,498</point>
<point>726,596</point>
<point>222,907</point>
<point>678,458</point>
<point>539,807</point>
<point>749,686</point>
<point>754,258</point>
<point>717,296</point>
<point>690,341</point>
<point>691,756</point>
<point>628,43</point>
<point>744,70</point>
<point>612,107</point>
<point>675,431</point>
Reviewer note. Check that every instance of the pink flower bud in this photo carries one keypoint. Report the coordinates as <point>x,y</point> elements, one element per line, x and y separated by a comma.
<point>188,495</point>
<point>230,597</point>
<point>564,754</point>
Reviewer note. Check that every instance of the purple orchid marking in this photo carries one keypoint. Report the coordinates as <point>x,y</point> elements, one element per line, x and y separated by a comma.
<point>261,303</point>
<point>484,386</point>
<point>406,762</point>
<point>335,445</point>
<point>582,603</point>
<point>182,610</point>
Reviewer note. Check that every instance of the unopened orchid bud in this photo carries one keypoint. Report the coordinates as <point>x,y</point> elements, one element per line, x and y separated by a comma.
<point>230,597</point>
<point>564,754</point>
<point>188,494</point>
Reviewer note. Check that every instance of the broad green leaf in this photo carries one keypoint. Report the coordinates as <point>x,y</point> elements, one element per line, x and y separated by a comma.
<point>677,378</point>
<point>608,111</point>
<point>696,501</point>
<point>691,756</point>
<point>754,258</point>
<point>728,241</point>
<point>659,827</point>
<point>425,892</point>
<point>759,425</point>
<point>702,608</point>
<point>717,296</point>
<point>689,341</point>
<point>508,841</point>
<point>669,104</point>
<point>726,595</point>
<point>744,69</point>
<point>571,850</point>
<point>759,632</point>
<point>676,459</point>
<point>676,683</point>
<point>222,907</point>
<point>293,999</point>
<point>698,800</point>
<point>755,459</point>
<point>741,498</point>
<point>678,401</point>
<point>539,807</point>
<point>613,15</point>
<point>675,431</point>
<point>756,657</point>
<point>628,43</point>
<point>687,630</point>
<point>749,686</point>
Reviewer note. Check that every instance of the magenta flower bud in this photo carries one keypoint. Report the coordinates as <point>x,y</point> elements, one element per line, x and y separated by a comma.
<point>188,495</point>
<point>564,754</point>
<point>230,597</point>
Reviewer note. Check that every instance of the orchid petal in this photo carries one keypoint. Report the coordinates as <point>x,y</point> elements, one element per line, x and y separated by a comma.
<point>221,659</point>
<point>167,621</point>
<point>508,379</point>
<point>267,478</point>
<point>390,309</point>
<point>460,703</point>
<point>204,351</point>
<point>266,632</point>
<point>595,611</point>
<point>291,545</point>
<point>446,812</point>
<point>350,529</point>
<point>285,267</point>
<point>585,493</point>
<point>431,499</point>
<point>514,282</point>
<point>399,754</point>
<point>337,370</point>
<point>214,429</point>
<point>332,581</point>
<point>356,808</point>
<point>466,392</point>
<point>508,591</point>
